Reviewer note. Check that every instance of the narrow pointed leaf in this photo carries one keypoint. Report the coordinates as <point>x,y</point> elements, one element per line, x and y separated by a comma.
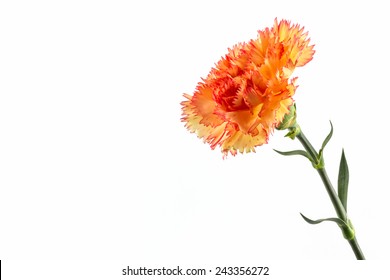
<point>326,140</point>
<point>343,180</point>
<point>328,137</point>
<point>313,222</point>
<point>293,153</point>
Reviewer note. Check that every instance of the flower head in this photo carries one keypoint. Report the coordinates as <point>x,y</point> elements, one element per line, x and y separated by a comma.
<point>248,92</point>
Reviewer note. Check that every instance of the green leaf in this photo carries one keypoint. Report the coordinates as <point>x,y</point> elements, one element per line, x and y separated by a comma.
<point>328,137</point>
<point>343,180</point>
<point>338,221</point>
<point>346,227</point>
<point>325,142</point>
<point>296,152</point>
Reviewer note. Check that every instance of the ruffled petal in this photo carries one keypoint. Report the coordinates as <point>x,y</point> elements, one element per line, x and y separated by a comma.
<point>249,91</point>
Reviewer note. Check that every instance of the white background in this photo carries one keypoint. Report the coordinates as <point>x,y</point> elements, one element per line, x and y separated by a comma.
<point>95,163</point>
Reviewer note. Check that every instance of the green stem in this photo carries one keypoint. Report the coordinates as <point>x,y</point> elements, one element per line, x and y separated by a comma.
<point>338,206</point>
<point>356,249</point>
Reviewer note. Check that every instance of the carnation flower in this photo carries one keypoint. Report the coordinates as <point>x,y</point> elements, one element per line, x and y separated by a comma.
<point>249,91</point>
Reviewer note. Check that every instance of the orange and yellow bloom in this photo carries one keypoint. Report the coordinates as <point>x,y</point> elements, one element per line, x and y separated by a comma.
<point>249,91</point>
